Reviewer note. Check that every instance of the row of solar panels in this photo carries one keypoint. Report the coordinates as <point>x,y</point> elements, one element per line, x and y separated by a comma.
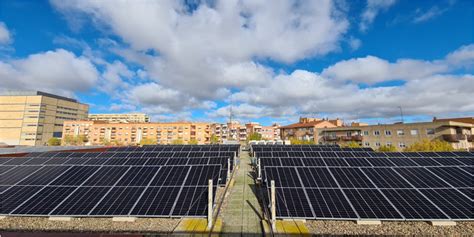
<point>141,154</point>
<point>365,162</point>
<point>9,163</point>
<point>107,190</point>
<point>348,154</point>
<point>176,148</point>
<point>258,148</point>
<point>396,193</point>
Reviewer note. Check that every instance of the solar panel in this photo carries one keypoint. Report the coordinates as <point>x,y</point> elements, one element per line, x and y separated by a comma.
<point>15,196</point>
<point>81,202</point>
<point>119,201</point>
<point>451,202</point>
<point>292,202</point>
<point>44,201</point>
<point>371,204</point>
<point>351,178</point>
<point>419,178</point>
<point>413,205</point>
<point>330,204</point>
<point>156,201</point>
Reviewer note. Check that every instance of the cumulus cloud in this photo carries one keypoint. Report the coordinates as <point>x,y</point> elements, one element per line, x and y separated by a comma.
<point>438,94</point>
<point>207,50</point>
<point>58,71</point>
<point>373,8</point>
<point>164,100</point>
<point>371,70</point>
<point>5,36</point>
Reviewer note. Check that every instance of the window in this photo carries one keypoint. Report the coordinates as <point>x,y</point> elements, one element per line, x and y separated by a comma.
<point>367,144</point>
<point>400,132</point>
<point>389,144</point>
<point>401,145</point>
<point>388,133</point>
<point>377,144</point>
<point>430,131</point>
<point>366,133</point>
<point>414,132</point>
<point>377,133</point>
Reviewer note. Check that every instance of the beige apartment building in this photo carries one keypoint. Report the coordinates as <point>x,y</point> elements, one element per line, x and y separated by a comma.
<point>31,118</point>
<point>240,132</point>
<point>102,132</point>
<point>457,131</point>
<point>306,128</point>
<point>121,118</point>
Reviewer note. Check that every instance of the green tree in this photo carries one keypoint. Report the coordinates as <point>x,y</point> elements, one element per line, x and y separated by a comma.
<point>177,142</point>
<point>254,137</point>
<point>385,148</point>
<point>193,141</point>
<point>427,145</point>
<point>214,139</point>
<point>147,141</point>
<point>352,144</point>
<point>54,141</point>
<point>295,141</point>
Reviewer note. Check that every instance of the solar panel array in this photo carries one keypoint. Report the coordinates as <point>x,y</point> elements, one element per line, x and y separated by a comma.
<point>400,186</point>
<point>129,181</point>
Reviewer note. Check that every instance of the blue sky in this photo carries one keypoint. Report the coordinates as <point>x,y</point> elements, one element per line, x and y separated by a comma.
<point>189,60</point>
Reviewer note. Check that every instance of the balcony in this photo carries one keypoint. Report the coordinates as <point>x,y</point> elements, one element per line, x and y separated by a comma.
<point>330,138</point>
<point>454,137</point>
<point>470,138</point>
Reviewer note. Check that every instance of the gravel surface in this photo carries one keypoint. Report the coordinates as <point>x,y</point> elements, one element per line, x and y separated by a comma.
<point>42,224</point>
<point>389,228</point>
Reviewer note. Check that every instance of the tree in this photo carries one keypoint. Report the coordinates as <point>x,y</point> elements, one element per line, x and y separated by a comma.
<point>254,137</point>
<point>214,139</point>
<point>177,142</point>
<point>388,148</point>
<point>147,141</point>
<point>193,141</point>
<point>427,145</point>
<point>295,141</point>
<point>352,144</point>
<point>54,141</point>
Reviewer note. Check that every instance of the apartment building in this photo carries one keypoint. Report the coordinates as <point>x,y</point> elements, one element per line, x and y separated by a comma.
<point>270,133</point>
<point>305,129</point>
<point>457,131</point>
<point>121,118</point>
<point>31,118</point>
<point>240,132</point>
<point>102,132</point>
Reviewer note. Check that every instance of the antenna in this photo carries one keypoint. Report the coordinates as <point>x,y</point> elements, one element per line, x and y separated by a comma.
<point>230,118</point>
<point>401,113</point>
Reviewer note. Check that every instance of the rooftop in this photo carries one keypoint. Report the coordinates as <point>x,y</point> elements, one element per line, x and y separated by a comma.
<point>36,93</point>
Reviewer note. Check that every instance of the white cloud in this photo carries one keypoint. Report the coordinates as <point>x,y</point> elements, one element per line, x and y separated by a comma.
<point>433,12</point>
<point>464,56</point>
<point>57,71</point>
<point>371,70</point>
<point>373,8</point>
<point>354,43</point>
<point>433,95</point>
<point>206,51</point>
<point>115,76</point>
<point>5,35</point>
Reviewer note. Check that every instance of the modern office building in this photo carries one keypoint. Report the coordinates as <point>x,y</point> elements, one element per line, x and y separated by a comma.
<point>121,118</point>
<point>104,133</point>
<point>33,117</point>
<point>457,131</point>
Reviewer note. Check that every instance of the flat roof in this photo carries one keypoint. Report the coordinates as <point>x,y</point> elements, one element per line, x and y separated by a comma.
<point>35,93</point>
